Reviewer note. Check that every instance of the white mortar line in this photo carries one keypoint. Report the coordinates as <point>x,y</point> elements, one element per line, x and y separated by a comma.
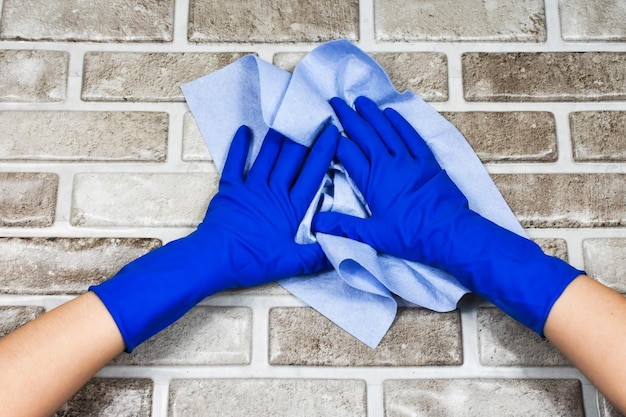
<point>181,16</point>
<point>367,31</point>
<point>160,396</point>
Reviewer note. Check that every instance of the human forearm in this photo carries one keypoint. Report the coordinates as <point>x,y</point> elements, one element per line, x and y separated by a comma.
<point>588,324</point>
<point>47,360</point>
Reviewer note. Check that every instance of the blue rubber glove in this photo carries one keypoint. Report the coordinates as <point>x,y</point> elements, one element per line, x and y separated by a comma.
<point>419,214</point>
<point>245,239</point>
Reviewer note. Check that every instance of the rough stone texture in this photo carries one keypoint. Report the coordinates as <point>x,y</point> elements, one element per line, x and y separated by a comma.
<point>129,76</point>
<point>194,147</point>
<point>448,20</point>
<point>12,317</point>
<point>267,397</point>
<point>605,260</point>
<point>301,336</point>
<point>204,336</point>
<point>277,21</point>
<point>544,76</point>
<point>79,20</point>
<point>33,76</point>
<point>483,397</point>
<point>154,199</point>
<point>110,397</point>
<point>565,200</point>
<point>606,408</point>
<point>554,247</point>
<point>424,73</point>
<point>64,265</point>
<point>27,199</point>
<point>503,341</point>
<point>510,136</point>
<point>593,20</point>
<point>83,136</point>
<point>599,136</point>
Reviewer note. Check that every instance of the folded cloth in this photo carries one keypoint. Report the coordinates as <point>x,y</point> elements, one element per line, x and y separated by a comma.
<point>361,294</point>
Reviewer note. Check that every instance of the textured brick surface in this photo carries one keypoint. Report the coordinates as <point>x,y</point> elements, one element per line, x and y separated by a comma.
<point>141,199</point>
<point>588,20</point>
<point>510,136</point>
<point>301,336</point>
<point>204,336</point>
<point>12,317</point>
<point>278,21</point>
<point>194,147</point>
<point>486,397</point>
<point>599,136</point>
<point>111,76</point>
<point>505,342</point>
<point>27,199</point>
<point>425,73</point>
<point>64,265</point>
<point>544,76</point>
<point>567,200</point>
<point>554,247</point>
<point>605,260</point>
<point>115,397</point>
<point>76,20</point>
<point>266,397</point>
<point>498,20</point>
<point>33,76</point>
<point>607,409</point>
<point>83,136</point>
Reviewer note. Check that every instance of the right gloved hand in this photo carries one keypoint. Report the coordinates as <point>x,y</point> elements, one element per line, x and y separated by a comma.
<point>419,214</point>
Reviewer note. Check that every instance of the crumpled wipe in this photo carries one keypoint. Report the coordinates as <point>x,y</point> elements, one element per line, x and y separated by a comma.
<point>362,293</point>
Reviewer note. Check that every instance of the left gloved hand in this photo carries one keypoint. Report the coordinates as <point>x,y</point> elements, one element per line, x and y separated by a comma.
<point>245,239</point>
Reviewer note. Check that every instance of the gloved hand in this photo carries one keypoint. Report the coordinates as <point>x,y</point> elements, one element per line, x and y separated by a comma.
<point>245,239</point>
<point>418,213</point>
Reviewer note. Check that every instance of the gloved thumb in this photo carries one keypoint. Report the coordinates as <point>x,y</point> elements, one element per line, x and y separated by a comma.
<point>342,225</point>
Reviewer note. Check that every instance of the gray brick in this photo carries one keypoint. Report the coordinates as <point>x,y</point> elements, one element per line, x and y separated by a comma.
<point>152,199</point>
<point>565,200</point>
<point>483,397</point>
<point>545,76</point>
<point>503,341</point>
<point>64,265</point>
<point>425,73</point>
<point>73,20</point>
<point>130,76</point>
<point>605,260</point>
<point>12,317</point>
<point>194,147</point>
<point>83,136</point>
<point>554,247</point>
<point>593,20</point>
<point>277,21</point>
<point>508,136</point>
<point>473,20</point>
<point>606,408</point>
<point>599,136</point>
<point>27,199</point>
<point>111,397</point>
<point>33,76</point>
<point>204,336</point>
<point>267,397</point>
<point>301,336</point>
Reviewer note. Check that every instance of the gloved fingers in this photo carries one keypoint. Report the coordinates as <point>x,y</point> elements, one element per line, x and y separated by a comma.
<point>358,129</point>
<point>237,155</point>
<point>369,111</point>
<point>414,142</point>
<point>343,225</point>
<point>314,168</point>
<point>265,160</point>
<point>312,258</point>
<point>287,165</point>
<point>356,163</point>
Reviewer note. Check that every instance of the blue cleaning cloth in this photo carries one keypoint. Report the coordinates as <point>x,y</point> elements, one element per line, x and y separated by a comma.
<point>361,294</point>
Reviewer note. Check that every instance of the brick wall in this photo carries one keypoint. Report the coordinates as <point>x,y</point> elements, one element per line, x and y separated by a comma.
<point>100,162</point>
